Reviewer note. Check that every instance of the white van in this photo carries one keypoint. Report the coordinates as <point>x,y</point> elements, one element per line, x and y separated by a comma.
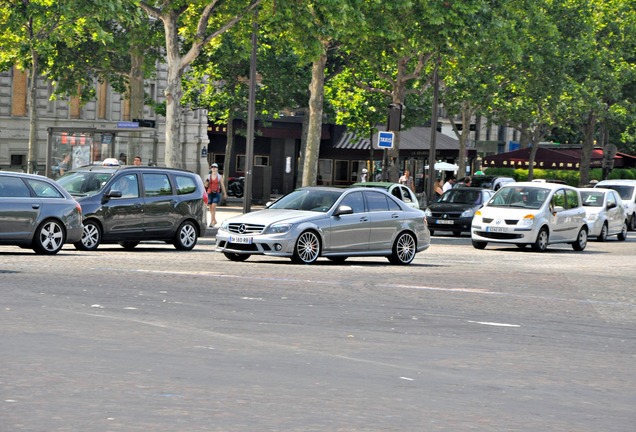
<point>627,190</point>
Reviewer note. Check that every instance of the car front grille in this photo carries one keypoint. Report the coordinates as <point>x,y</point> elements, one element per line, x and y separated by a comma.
<point>507,221</point>
<point>446,215</point>
<point>243,228</point>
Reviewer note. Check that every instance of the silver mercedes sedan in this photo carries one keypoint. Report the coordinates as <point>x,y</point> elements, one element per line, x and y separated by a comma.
<point>334,223</point>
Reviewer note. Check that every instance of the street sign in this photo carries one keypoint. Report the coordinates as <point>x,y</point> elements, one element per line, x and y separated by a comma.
<point>385,140</point>
<point>128,124</point>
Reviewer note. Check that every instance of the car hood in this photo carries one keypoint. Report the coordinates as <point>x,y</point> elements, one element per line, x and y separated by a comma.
<point>513,213</point>
<point>449,207</point>
<point>270,216</point>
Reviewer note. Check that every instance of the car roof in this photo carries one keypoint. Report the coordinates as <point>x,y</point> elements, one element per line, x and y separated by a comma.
<point>385,185</point>
<point>618,181</point>
<point>539,185</point>
<point>24,175</point>
<point>114,168</point>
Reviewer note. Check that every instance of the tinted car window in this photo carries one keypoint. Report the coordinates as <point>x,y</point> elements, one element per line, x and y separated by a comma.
<point>156,185</point>
<point>572,198</point>
<point>559,198</point>
<point>44,190</point>
<point>355,201</point>
<point>377,202</point>
<point>128,185</point>
<point>185,185</point>
<point>13,187</point>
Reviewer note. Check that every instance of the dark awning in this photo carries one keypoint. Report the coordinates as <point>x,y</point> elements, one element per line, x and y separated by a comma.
<point>552,158</point>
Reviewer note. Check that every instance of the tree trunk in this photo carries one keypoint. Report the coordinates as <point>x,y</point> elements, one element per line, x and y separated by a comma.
<point>586,151</point>
<point>173,93</point>
<point>312,148</point>
<point>136,96</point>
<point>32,153</point>
<point>229,148</point>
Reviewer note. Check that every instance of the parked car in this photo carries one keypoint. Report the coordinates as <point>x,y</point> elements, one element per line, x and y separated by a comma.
<point>454,210</point>
<point>398,190</point>
<point>335,223</point>
<point>627,191</point>
<point>37,213</point>
<point>492,182</point>
<point>535,214</point>
<point>130,204</point>
<point>605,213</point>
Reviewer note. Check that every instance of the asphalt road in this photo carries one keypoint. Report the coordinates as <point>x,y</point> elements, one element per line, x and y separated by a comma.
<point>461,340</point>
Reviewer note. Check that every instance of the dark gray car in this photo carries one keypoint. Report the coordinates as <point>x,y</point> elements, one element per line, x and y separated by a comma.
<point>37,213</point>
<point>130,204</point>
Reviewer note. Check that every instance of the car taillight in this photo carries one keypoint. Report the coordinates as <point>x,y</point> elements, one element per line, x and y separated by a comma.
<point>79,208</point>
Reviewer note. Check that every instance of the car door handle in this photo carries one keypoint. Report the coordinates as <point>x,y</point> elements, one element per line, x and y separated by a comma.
<point>35,206</point>
<point>395,216</point>
<point>364,219</point>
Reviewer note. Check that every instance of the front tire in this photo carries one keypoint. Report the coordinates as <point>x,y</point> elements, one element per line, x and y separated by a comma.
<point>338,259</point>
<point>479,244</point>
<point>186,237</point>
<point>541,243</point>
<point>603,234</point>
<point>235,256</point>
<point>581,240</point>
<point>91,237</point>
<point>632,223</point>
<point>307,248</point>
<point>129,245</point>
<point>49,237</point>
<point>622,236</point>
<point>404,249</point>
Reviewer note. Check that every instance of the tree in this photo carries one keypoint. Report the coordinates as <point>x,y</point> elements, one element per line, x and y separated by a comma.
<point>200,21</point>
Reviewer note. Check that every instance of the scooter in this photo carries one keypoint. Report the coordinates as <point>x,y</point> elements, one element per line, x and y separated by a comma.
<point>235,186</point>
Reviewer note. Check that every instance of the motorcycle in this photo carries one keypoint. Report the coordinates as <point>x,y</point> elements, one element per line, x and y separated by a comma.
<point>235,186</point>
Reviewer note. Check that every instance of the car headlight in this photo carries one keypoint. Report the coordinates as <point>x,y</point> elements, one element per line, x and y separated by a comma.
<point>592,217</point>
<point>224,225</point>
<point>428,212</point>
<point>468,213</point>
<point>527,220</point>
<point>280,228</point>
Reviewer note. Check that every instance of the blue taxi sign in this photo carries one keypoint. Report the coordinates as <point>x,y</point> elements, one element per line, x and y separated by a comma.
<point>385,139</point>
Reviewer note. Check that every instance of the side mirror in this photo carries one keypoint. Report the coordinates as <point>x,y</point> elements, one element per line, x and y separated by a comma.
<point>113,194</point>
<point>611,205</point>
<point>343,210</point>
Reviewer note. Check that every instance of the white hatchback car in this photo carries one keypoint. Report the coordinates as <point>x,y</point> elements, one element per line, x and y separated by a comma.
<point>606,214</point>
<point>627,191</point>
<point>535,214</point>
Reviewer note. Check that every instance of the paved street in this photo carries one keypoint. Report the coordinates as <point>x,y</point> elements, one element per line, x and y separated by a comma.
<point>161,340</point>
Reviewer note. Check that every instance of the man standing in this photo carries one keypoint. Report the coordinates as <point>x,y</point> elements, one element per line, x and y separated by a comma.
<point>137,160</point>
<point>449,183</point>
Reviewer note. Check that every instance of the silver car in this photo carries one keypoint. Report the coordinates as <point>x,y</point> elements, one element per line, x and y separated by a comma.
<point>37,213</point>
<point>330,222</point>
<point>606,215</point>
<point>535,214</point>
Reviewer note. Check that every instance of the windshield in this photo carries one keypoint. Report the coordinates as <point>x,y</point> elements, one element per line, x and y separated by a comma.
<point>521,197</point>
<point>624,191</point>
<point>461,196</point>
<point>84,183</point>
<point>592,199</point>
<point>307,199</point>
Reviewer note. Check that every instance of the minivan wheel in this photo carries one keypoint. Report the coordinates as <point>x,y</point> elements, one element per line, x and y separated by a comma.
<point>49,237</point>
<point>479,244</point>
<point>129,245</point>
<point>541,243</point>
<point>632,223</point>
<point>603,235</point>
<point>91,237</point>
<point>623,234</point>
<point>186,237</point>
<point>581,240</point>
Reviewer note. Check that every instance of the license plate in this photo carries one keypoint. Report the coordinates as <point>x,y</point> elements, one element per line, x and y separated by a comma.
<point>241,240</point>
<point>496,229</point>
<point>444,222</point>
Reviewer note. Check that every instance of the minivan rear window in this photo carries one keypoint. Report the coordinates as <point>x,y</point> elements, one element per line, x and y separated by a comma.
<point>185,184</point>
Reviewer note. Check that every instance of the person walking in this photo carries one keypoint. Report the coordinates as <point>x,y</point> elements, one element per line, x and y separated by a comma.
<point>437,188</point>
<point>215,190</point>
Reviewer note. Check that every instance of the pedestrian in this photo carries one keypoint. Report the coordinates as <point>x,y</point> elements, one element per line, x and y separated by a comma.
<point>65,165</point>
<point>215,189</point>
<point>407,180</point>
<point>437,188</point>
<point>450,181</point>
<point>363,177</point>
<point>137,161</point>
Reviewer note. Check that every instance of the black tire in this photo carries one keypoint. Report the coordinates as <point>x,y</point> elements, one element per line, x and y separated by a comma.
<point>622,236</point>
<point>581,240</point>
<point>541,243</point>
<point>129,245</point>
<point>49,237</point>
<point>235,256</point>
<point>521,245</point>
<point>186,237</point>
<point>404,249</point>
<point>91,237</point>
<point>603,235</point>
<point>457,233</point>
<point>431,232</point>
<point>338,259</point>
<point>307,248</point>
<point>479,244</point>
<point>631,226</point>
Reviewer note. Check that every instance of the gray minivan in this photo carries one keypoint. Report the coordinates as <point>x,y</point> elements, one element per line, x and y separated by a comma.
<point>130,204</point>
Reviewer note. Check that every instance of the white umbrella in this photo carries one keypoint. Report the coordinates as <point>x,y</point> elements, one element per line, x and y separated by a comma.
<point>444,166</point>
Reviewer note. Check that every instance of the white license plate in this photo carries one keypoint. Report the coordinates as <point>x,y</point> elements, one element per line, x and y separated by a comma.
<point>496,229</point>
<point>444,222</point>
<point>241,240</point>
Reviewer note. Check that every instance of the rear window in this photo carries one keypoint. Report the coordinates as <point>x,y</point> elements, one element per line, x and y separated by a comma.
<point>625,192</point>
<point>185,184</point>
<point>157,185</point>
<point>44,189</point>
<point>13,187</point>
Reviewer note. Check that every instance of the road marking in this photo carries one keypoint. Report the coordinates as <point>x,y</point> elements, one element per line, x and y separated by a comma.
<point>494,324</point>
